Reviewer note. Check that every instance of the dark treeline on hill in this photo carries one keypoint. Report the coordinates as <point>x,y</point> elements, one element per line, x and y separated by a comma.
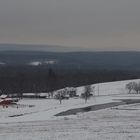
<point>20,73</point>
<point>19,79</point>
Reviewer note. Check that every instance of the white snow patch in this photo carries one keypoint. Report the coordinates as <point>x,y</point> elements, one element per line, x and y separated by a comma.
<point>36,63</point>
<point>50,62</point>
<point>2,63</point>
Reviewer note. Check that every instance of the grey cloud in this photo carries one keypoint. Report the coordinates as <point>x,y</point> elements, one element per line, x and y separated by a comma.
<point>68,22</point>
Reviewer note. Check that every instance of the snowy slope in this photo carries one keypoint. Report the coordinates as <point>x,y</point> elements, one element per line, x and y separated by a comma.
<point>45,109</point>
<point>38,121</point>
<point>109,88</point>
<point>108,124</point>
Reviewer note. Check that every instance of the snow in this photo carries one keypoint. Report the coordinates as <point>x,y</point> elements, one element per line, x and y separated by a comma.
<point>47,62</point>
<point>29,94</point>
<point>109,88</point>
<point>35,63</point>
<point>2,63</point>
<point>3,96</point>
<point>34,118</point>
<point>107,124</point>
<point>44,109</point>
<point>51,62</point>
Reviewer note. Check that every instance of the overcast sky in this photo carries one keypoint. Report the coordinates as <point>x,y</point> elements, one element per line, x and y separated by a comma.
<point>89,24</point>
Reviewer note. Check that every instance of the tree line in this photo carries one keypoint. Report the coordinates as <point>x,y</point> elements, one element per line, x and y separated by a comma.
<point>27,79</point>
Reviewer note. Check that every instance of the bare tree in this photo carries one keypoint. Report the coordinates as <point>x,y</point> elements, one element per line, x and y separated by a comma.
<point>52,94</point>
<point>87,93</point>
<point>37,94</point>
<point>131,86</point>
<point>137,87</point>
<point>59,96</point>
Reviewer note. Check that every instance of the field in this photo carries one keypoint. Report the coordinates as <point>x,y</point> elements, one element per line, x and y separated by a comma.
<point>34,118</point>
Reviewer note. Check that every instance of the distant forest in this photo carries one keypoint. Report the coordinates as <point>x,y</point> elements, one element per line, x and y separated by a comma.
<point>70,69</point>
<point>25,79</point>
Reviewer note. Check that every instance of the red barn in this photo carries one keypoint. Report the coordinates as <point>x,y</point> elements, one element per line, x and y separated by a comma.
<point>5,100</point>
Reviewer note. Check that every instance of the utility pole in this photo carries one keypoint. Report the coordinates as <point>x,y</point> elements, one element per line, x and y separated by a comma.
<point>98,89</point>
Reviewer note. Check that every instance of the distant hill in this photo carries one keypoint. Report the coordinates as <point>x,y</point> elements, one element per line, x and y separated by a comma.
<point>30,47</point>
<point>73,60</point>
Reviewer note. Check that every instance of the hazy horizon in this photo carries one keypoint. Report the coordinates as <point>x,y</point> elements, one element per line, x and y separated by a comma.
<point>53,48</point>
<point>91,25</point>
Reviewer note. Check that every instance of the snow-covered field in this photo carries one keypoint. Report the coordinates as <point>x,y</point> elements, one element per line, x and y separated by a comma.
<point>122,123</point>
<point>109,88</point>
<point>38,122</point>
<point>45,109</point>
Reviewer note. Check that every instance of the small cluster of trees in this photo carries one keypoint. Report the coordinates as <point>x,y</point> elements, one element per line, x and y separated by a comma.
<point>67,93</point>
<point>87,92</point>
<point>133,86</point>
